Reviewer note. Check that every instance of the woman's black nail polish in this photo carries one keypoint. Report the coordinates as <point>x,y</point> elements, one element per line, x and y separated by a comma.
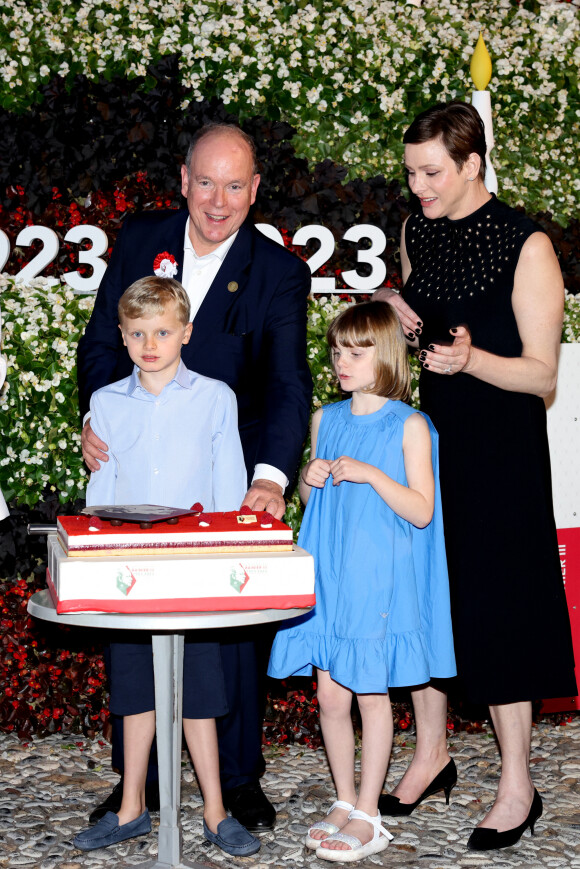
<point>419,323</point>
<point>454,331</point>
<point>417,331</point>
<point>426,365</point>
<point>422,356</point>
<point>411,334</point>
<point>431,347</point>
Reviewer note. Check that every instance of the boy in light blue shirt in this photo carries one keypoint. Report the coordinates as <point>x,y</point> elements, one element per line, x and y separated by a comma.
<point>173,441</point>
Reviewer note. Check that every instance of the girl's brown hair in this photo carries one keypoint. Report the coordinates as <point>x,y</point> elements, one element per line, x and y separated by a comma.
<point>375,324</point>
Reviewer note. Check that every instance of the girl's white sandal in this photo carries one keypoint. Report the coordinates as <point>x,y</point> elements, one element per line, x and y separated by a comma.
<point>380,840</point>
<point>326,826</point>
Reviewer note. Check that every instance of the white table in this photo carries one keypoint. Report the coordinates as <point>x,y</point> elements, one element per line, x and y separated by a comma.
<point>167,633</point>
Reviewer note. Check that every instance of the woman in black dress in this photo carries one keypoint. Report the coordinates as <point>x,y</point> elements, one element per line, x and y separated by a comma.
<point>484,305</point>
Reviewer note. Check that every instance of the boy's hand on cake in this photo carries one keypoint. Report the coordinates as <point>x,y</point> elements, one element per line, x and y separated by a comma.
<point>94,449</point>
<point>345,469</point>
<point>265,495</point>
<point>316,473</point>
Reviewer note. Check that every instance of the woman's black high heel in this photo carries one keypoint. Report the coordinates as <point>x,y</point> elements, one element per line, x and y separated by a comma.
<point>485,839</point>
<point>444,781</point>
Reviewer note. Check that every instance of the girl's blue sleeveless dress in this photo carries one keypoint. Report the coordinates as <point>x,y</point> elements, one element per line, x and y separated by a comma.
<point>382,614</point>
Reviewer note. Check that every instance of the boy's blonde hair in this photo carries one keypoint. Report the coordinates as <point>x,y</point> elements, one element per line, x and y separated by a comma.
<point>150,296</point>
<point>375,324</point>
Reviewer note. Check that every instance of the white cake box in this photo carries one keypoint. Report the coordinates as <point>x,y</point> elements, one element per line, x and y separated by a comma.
<point>179,583</point>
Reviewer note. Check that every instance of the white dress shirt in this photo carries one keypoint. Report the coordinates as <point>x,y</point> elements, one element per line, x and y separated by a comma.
<point>199,271</point>
<point>172,449</point>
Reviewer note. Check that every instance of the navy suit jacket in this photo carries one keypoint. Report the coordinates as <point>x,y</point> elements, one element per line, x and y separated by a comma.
<point>253,338</point>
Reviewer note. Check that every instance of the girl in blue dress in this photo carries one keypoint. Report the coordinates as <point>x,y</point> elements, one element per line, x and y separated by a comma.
<point>373,524</point>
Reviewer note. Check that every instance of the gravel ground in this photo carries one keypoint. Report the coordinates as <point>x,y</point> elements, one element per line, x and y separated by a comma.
<point>48,787</point>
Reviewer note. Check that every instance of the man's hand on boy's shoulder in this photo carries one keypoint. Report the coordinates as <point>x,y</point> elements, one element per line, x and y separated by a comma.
<point>94,449</point>
<point>265,495</point>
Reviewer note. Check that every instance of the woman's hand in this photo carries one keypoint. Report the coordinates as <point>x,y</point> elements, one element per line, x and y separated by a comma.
<point>449,358</point>
<point>411,323</point>
<point>316,473</point>
<point>345,469</point>
<point>408,319</point>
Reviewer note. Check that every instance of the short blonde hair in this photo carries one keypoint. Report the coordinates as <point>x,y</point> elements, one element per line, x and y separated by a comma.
<point>375,324</point>
<point>150,296</point>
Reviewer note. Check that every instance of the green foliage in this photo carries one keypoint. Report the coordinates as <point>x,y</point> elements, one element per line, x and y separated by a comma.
<point>39,404</point>
<point>571,329</point>
<point>348,76</point>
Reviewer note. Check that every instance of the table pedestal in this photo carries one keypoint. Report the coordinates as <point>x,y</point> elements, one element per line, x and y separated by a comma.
<point>168,669</point>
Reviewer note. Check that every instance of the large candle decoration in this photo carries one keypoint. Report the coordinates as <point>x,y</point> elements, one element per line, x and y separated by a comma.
<point>480,69</point>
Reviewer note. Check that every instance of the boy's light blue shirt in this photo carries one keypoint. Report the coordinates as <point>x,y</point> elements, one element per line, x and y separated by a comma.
<point>171,449</point>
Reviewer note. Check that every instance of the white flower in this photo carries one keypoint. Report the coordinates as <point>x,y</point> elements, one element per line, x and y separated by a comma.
<point>60,346</point>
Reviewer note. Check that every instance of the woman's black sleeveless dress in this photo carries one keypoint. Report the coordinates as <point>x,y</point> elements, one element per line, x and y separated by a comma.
<point>510,620</point>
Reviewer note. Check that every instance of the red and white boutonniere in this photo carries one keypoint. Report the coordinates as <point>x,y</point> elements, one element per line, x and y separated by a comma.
<point>165,265</point>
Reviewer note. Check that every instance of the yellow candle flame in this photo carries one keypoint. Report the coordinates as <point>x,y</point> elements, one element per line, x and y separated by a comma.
<point>480,67</point>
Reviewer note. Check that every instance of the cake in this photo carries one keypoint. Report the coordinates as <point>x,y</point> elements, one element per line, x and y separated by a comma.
<point>162,581</point>
<point>167,560</point>
<point>199,533</point>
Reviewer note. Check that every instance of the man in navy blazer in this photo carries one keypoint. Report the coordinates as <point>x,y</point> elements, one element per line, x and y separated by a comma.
<point>248,298</point>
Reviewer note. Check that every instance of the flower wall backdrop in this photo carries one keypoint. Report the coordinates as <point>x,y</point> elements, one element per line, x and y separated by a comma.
<point>97,103</point>
<point>348,76</point>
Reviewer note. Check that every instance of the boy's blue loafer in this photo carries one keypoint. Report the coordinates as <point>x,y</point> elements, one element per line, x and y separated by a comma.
<point>232,838</point>
<point>108,831</point>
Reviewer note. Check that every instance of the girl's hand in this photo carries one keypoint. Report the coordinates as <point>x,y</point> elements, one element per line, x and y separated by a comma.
<point>349,470</point>
<point>449,358</point>
<point>316,473</point>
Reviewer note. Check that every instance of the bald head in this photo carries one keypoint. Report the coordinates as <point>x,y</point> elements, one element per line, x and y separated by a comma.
<point>209,130</point>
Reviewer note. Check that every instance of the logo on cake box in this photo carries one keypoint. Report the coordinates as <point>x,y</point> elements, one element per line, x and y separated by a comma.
<point>126,579</point>
<point>239,578</point>
<point>240,575</point>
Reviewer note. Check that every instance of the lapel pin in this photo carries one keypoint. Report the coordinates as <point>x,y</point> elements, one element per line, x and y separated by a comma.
<point>232,286</point>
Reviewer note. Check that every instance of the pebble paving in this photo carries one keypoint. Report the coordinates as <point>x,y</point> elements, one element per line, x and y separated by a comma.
<point>49,786</point>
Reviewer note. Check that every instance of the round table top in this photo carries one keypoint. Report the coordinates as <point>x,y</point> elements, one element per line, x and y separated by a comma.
<point>41,606</point>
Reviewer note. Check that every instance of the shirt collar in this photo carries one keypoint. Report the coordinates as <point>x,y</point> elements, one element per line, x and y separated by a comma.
<point>181,379</point>
<point>220,252</point>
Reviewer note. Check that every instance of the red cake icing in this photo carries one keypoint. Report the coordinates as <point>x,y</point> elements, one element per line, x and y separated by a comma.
<point>236,531</point>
